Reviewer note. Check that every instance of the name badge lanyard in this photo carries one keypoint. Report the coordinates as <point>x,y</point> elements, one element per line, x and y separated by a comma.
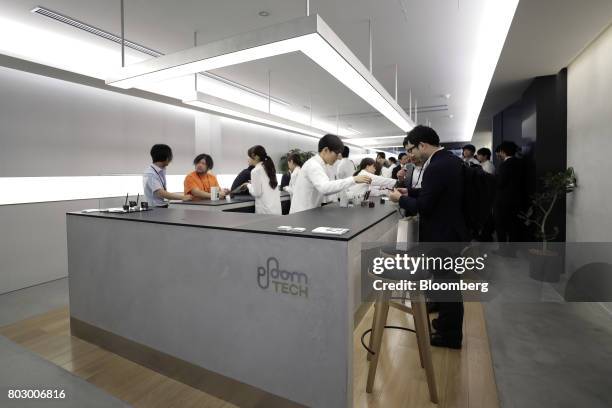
<point>160,178</point>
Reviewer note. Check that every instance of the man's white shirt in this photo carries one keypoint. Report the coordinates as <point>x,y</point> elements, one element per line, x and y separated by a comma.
<point>313,184</point>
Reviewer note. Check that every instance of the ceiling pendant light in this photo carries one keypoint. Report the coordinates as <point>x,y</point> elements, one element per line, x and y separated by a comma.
<point>310,35</point>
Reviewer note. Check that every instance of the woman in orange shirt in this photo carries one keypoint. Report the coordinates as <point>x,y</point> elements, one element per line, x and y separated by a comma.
<point>199,182</point>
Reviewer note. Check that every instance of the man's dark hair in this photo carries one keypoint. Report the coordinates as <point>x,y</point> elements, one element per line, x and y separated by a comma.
<point>422,134</point>
<point>381,155</point>
<point>206,158</point>
<point>332,142</point>
<point>393,160</point>
<point>470,147</point>
<point>295,158</point>
<point>508,147</point>
<point>161,152</point>
<point>483,151</point>
<point>346,151</point>
<point>401,156</point>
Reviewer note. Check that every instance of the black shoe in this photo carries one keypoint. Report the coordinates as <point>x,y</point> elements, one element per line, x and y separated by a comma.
<point>452,342</point>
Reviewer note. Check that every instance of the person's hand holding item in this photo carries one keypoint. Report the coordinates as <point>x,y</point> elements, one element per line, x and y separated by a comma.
<point>403,191</point>
<point>401,174</point>
<point>187,197</point>
<point>395,195</point>
<point>362,179</point>
<point>222,192</point>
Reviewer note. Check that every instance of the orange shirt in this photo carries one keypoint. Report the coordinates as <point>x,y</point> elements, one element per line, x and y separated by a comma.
<point>200,181</point>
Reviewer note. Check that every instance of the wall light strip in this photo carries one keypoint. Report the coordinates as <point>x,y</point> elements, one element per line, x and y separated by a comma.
<point>309,35</point>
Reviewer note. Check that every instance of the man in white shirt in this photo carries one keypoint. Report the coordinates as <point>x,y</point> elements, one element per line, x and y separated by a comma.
<point>346,167</point>
<point>484,157</point>
<point>314,183</point>
<point>154,178</point>
<point>469,150</point>
<point>388,170</point>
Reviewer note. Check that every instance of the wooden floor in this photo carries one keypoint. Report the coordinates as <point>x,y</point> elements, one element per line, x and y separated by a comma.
<point>465,378</point>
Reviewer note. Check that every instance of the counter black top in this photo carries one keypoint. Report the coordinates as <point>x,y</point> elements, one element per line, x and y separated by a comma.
<point>357,219</point>
<point>221,202</point>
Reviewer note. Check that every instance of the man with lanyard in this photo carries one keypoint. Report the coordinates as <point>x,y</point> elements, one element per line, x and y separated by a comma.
<point>154,178</point>
<point>439,205</point>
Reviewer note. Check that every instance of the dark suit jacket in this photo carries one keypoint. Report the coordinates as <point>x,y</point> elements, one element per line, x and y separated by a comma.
<point>439,202</point>
<point>510,192</point>
<point>241,178</point>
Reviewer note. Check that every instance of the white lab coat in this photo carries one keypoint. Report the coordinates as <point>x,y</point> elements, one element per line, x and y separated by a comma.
<point>331,171</point>
<point>313,184</point>
<point>387,171</point>
<point>267,199</point>
<point>376,188</point>
<point>488,167</point>
<point>294,176</point>
<point>346,168</point>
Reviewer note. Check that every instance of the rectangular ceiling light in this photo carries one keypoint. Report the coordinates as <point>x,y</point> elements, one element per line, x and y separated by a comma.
<point>310,35</point>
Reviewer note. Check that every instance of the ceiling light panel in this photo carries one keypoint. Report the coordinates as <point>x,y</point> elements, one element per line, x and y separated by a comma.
<point>309,35</point>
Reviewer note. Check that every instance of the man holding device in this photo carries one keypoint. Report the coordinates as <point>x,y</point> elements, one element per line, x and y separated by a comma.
<point>154,178</point>
<point>199,183</point>
<point>314,183</point>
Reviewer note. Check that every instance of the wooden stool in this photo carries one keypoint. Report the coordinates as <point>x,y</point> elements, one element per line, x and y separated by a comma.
<point>418,310</point>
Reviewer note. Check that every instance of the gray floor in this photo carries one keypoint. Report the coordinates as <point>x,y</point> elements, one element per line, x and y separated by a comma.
<point>20,369</point>
<point>32,301</point>
<point>546,352</point>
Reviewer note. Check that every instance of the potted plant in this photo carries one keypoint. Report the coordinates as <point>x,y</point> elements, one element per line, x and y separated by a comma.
<point>546,264</point>
<point>282,165</point>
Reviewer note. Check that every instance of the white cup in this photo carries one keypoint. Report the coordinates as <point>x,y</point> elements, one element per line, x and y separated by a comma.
<point>214,193</point>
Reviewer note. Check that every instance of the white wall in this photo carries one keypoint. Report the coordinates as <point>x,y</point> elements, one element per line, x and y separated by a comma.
<point>51,127</point>
<point>589,142</point>
<point>483,139</point>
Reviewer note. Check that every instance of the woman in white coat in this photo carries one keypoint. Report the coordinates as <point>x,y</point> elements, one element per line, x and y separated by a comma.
<point>294,162</point>
<point>368,168</point>
<point>263,185</point>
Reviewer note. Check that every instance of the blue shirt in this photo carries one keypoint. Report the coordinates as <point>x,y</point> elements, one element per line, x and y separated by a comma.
<point>153,179</point>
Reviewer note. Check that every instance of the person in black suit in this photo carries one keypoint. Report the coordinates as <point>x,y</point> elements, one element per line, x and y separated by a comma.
<point>508,197</point>
<point>402,161</point>
<point>243,177</point>
<point>439,205</point>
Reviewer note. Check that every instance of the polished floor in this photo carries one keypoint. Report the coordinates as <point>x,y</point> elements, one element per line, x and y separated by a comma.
<point>465,378</point>
<point>21,370</point>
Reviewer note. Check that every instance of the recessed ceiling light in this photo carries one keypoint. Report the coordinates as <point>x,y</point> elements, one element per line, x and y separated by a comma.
<point>451,116</point>
<point>264,13</point>
<point>447,96</point>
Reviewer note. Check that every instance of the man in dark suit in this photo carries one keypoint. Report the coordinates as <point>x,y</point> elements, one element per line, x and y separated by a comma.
<point>243,177</point>
<point>439,205</point>
<point>508,197</point>
<point>402,159</point>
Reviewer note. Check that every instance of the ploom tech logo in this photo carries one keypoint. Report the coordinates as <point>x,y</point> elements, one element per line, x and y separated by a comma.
<point>291,283</point>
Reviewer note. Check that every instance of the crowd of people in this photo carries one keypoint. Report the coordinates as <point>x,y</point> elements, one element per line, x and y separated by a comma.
<point>426,179</point>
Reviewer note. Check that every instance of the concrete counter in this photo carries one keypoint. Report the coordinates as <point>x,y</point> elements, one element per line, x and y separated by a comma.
<point>224,301</point>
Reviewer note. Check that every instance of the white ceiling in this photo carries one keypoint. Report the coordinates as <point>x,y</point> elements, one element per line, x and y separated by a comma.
<point>545,36</point>
<point>432,41</point>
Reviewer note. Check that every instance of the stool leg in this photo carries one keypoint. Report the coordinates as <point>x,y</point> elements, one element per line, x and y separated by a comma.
<point>419,318</point>
<point>371,342</point>
<point>419,333</point>
<point>380,319</point>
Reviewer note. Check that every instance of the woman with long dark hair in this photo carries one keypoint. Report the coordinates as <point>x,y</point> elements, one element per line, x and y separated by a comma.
<point>294,162</point>
<point>369,167</point>
<point>263,184</point>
